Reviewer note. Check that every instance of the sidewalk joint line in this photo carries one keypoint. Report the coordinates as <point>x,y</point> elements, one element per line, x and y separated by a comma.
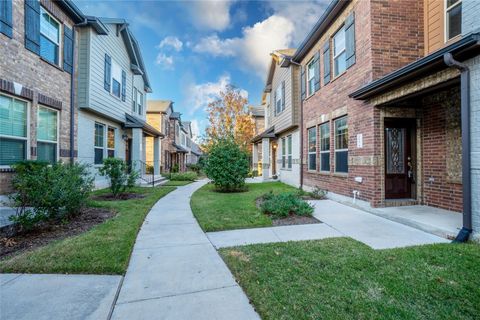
<point>114,302</point>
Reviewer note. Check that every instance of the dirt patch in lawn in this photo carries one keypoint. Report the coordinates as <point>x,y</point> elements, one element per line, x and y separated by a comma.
<point>51,231</point>
<point>123,196</point>
<point>292,219</point>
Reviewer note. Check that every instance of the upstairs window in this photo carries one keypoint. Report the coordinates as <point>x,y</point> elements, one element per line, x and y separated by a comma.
<point>311,78</point>
<point>49,38</point>
<point>339,55</point>
<point>47,134</point>
<point>13,130</point>
<point>312,149</point>
<point>116,80</point>
<point>279,99</point>
<point>139,102</point>
<point>453,18</point>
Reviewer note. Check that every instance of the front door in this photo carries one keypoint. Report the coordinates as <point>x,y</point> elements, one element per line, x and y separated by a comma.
<point>274,159</point>
<point>128,151</point>
<point>399,160</point>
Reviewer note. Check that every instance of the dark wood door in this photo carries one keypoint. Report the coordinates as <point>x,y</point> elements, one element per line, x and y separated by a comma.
<point>274,159</point>
<point>399,158</point>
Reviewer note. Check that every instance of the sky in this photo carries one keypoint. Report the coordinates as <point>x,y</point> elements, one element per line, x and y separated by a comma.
<point>193,49</point>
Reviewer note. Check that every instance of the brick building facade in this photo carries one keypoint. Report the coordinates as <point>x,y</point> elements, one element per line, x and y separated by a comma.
<point>35,83</point>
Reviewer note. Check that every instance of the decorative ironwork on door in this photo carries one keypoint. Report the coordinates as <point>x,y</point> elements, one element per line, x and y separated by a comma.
<point>395,153</point>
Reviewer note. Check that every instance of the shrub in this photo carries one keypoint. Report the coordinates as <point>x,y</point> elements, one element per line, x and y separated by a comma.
<point>183,176</point>
<point>117,171</point>
<point>194,167</point>
<point>227,166</point>
<point>49,192</point>
<point>318,193</point>
<point>284,204</point>
<point>175,168</point>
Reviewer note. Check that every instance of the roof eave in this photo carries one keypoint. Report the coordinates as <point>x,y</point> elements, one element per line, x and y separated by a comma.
<point>461,50</point>
<point>72,10</point>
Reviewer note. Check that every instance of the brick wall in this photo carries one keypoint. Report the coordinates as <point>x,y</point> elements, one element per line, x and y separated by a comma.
<point>47,82</point>
<point>441,188</point>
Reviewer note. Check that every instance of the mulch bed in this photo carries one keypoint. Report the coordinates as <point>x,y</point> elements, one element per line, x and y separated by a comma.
<point>48,232</point>
<point>294,219</point>
<point>291,220</point>
<point>123,196</point>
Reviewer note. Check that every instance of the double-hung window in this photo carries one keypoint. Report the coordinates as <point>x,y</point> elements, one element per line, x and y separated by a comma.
<point>453,18</point>
<point>312,149</point>
<point>339,54</point>
<point>116,80</point>
<point>278,99</point>
<point>111,142</point>
<point>47,134</point>
<point>289,151</point>
<point>99,142</point>
<point>325,147</point>
<point>139,102</point>
<point>284,153</point>
<point>311,77</point>
<point>341,145</point>
<point>13,130</point>
<point>49,37</point>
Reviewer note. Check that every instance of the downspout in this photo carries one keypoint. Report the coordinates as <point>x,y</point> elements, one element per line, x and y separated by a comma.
<point>72,92</point>
<point>466,230</point>
<point>301,125</point>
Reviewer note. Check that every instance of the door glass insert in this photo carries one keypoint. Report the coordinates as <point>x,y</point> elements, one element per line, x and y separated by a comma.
<point>395,156</point>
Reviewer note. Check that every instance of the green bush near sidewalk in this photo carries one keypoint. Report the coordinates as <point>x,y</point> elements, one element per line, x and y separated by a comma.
<point>183,176</point>
<point>104,249</point>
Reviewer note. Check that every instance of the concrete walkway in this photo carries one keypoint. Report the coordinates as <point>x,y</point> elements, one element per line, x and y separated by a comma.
<point>175,272</point>
<point>338,220</point>
<point>56,296</point>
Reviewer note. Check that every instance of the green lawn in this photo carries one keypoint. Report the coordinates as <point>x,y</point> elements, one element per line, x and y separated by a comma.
<point>105,249</point>
<point>176,183</point>
<point>217,211</point>
<point>344,279</point>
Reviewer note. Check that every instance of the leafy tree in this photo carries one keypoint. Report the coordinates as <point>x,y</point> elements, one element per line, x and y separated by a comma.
<point>229,118</point>
<point>227,165</point>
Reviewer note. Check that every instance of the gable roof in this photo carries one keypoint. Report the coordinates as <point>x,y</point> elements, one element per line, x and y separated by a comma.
<point>280,57</point>
<point>175,115</point>
<point>333,9</point>
<point>159,106</point>
<point>71,10</point>
<point>257,111</point>
<point>133,49</point>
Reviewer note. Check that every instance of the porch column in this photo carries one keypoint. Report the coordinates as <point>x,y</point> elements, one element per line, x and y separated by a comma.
<point>156,155</point>
<point>266,158</point>
<point>254,156</point>
<point>137,148</point>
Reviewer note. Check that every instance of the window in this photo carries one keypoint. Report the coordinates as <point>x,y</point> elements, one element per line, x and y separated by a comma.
<point>311,77</point>
<point>339,55</point>
<point>453,18</point>
<point>13,130</point>
<point>166,123</point>
<point>134,102</point>
<point>116,80</point>
<point>49,37</point>
<point>341,145</point>
<point>177,131</point>
<point>312,148</point>
<point>284,153</point>
<point>278,100</point>
<point>111,142</point>
<point>139,97</point>
<point>325,147</point>
<point>99,143</point>
<point>47,134</point>
<point>289,151</point>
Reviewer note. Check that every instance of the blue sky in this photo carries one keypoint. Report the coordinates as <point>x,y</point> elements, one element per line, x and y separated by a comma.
<point>193,49</point>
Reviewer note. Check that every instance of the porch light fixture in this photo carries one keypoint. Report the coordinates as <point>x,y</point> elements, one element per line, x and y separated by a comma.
<point>125,136</point>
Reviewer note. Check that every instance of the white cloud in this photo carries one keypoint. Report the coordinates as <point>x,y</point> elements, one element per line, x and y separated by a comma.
<point>211,15</point>
<point>200,95</point>
<point>164,61</point>
<point>195,130</point>
<point>254,47</point>
<point>172,42</point>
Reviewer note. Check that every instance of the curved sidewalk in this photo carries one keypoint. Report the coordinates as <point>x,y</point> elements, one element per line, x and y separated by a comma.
<point>175,272</point>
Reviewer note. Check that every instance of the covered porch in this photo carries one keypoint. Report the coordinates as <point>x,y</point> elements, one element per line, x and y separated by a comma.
<point>264,154</point>
<point>424,141</point>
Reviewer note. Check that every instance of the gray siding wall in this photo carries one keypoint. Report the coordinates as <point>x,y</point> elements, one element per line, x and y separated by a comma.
<point>83,73</point>
<point>471,23</point>
<point>284,119</point>
<point>98,99</point>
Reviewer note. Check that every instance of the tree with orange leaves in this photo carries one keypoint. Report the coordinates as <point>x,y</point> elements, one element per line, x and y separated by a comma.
<point>230,118</point>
